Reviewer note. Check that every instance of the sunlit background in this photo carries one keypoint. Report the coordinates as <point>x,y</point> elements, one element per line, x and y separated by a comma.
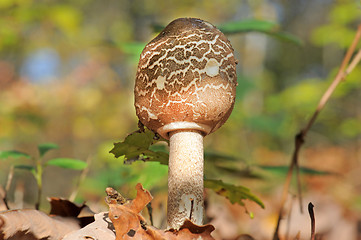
<point>67,71</point>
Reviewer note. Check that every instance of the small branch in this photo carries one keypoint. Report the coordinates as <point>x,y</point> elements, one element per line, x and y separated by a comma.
<point>81,178</point>
<point>39,180</point>
<point>298,175</point>
<point>339,77</point>
<point>38,201</point>
<point>8,185</point>
<point>313,223</point>
<point>300,137</point>
<point>298,143</point>
<point>353,63</point>
<point>150,212</point>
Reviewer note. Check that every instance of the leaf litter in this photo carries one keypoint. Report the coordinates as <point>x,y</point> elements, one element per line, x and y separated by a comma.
<point>68,221</point>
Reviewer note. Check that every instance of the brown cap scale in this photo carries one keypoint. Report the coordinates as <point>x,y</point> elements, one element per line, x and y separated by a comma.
<point>185,89</point>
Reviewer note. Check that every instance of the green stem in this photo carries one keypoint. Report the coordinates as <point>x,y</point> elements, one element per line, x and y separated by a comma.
<point>38,177</point>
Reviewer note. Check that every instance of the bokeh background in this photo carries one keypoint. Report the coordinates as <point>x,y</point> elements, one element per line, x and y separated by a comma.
<point>67,71</point>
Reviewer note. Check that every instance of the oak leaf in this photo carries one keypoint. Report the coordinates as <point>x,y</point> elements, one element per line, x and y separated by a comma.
<point>33,224</point>
<point>129,224</point>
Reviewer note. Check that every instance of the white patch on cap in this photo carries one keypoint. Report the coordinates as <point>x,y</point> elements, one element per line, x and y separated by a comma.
<point>151,115</point>
<point>208,24</point>
<point>160,82</point>
<point>212,67</point>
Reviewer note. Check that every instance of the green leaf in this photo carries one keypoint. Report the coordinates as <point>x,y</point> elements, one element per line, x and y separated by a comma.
<point>152,175</point>
<point>136,146</point>
<point>149,155</point>
<point>247,26</point>
<point>333,34</point>
<point>157,27</point>
<point>13,154</point>
<point>26,167</point>
<point>235,194</point>
<point>254,25</point>
<point>345,13</point>
<point>303,170</point>
<point>216,156</point>
<point>159,148</point>
<point>133,49</point>
<point>67,163</point>
<point>45,147</point>
<point>240,173</point>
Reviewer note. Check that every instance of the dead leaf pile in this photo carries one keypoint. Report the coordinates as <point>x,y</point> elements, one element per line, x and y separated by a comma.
<point>129,224</point>
<point>68,221</point>
<point>33,224</point>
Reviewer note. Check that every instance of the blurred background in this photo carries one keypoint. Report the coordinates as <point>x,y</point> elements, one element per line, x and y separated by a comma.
<point>67,71</point>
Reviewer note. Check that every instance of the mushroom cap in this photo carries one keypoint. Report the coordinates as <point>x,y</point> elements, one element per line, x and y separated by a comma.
<point>186,79</point>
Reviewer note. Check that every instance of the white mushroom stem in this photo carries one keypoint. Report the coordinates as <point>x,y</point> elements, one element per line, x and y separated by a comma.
<point>185,178</point>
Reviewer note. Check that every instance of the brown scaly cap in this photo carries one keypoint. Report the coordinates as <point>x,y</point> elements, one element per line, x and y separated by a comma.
<point>186,74</point>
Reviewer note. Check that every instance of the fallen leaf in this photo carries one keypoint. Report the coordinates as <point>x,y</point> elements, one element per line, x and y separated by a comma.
<point>141,200</point>
<point>125,217</point>
<point>66,208</point>
<point>33,224</point>
<point>101,229</point>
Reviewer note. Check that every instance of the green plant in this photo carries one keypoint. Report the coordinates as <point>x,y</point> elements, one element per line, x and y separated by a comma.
<point>38,165</point>
<point>143,145</point>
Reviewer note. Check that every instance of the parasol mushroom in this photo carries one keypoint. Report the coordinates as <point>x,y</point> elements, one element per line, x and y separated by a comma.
<point>184,90</point>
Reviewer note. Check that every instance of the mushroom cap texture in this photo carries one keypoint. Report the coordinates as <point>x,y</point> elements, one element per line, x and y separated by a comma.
<point>186,74</point>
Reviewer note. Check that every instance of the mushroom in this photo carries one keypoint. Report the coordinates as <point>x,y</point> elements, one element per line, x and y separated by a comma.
<point>184,90</point>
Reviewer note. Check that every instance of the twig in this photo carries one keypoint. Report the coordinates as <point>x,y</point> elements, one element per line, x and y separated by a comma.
<point>354,62</point>
<point>7,187</point>
<point>81,178</point>
<point>38,201</point>
<point>339,77</point>
<point>300,137</point>
<point>313,222</point>
<point>150,212</point>
<point>298,144</point>
<point>298,176</point>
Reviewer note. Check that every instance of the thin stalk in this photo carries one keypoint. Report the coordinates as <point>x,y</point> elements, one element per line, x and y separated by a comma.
<point>38,176</point>
<point>7,187</point>
<point>80,180</point>
<point>313,221</point>
<point>185,178</point>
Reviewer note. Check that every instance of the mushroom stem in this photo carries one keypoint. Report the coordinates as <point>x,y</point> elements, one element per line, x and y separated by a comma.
<point>185,178</point>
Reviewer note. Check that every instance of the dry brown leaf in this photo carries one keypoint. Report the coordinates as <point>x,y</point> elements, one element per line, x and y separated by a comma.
<point>65,208</point>
<point>33,224</point>
<point>101,229</point>
<point>141,200</point>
